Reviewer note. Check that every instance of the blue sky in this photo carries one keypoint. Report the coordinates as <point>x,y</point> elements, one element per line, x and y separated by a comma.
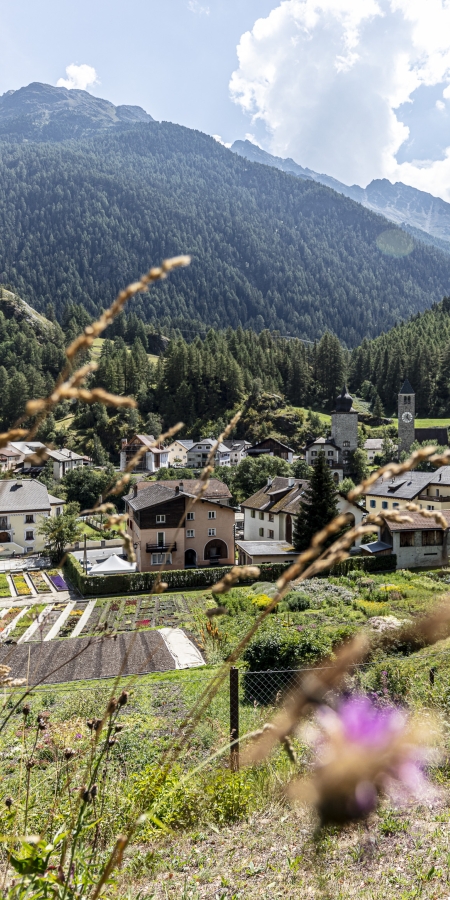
<point>173,57</point>
<point>358,89</point>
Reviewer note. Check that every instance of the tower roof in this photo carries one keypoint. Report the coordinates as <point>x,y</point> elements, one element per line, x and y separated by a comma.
<point>344,401</point>
<point>407,389</point>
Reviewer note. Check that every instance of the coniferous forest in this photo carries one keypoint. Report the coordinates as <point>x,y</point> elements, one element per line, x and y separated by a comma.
<point>79,219</point>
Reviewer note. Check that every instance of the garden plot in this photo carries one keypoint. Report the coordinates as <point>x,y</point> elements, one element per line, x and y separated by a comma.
<point>21,586</point>
<point>40,583</point>
<point>42,631</point>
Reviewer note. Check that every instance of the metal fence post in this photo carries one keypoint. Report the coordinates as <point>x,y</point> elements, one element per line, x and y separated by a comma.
<point>234,719</point>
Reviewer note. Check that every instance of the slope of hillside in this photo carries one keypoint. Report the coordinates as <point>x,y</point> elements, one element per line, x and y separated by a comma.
<point>41,112</point>
<point>80,219</point>
<point>399,202</point>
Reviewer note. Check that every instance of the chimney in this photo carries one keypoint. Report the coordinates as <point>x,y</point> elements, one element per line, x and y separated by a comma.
<point>269,482</point>
<point>135,490</point>
<point>291,482</point>
<point>124,442</point>
<point>177,488</point>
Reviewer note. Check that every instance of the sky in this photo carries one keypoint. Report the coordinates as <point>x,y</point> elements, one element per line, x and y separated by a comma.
<point>356,89</point>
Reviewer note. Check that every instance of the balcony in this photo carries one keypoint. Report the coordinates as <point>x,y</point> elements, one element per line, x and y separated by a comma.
<point>161,548</point>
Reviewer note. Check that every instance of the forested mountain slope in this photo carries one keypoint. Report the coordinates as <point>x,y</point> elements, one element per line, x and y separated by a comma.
<point>78,220</point>
<point>418,349</point>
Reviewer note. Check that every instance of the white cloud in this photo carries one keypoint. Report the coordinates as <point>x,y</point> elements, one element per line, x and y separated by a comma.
<point>79,77</point>
<point>196,7</point>
<point>220,141</point>
<point>326,78</point>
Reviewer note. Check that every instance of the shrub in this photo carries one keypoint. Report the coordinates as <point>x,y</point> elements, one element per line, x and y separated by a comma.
<point>365,564</point>
<point>296,601</point>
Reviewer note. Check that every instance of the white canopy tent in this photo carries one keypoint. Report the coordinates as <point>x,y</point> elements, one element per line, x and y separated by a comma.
<point>113,565</point>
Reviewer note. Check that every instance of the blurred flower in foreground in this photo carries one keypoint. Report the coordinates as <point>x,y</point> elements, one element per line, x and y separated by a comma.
<point>364,751</point>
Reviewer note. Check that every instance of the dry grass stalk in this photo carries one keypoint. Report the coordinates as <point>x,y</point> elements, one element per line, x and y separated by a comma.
<point>393,469</point>
<point>236,574</point>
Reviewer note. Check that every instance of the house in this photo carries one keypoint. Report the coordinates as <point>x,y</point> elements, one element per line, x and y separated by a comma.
<point>177,452</point>
<point>63,462</point>
<point>23,505</point>
<point>168,529</point>
<point>10,458</point>
<point>373,448</point>
<point>269,515</point>
<point>154,456</point>
<point>271,447</point>
<point>198,454</point>
<point>429,490</point>
<point>420,542</point>
<point>214,489</point>
<point>238,451</point>
<point>332,452</point>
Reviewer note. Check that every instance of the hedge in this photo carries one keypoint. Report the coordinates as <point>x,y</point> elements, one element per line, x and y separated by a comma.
<point>101,585</point>
<point>365,564</point>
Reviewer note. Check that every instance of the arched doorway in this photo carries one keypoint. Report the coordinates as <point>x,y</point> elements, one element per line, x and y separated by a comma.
<point>289,529</point>
<point>215,550</point>
<point>336,478</point>
<point>190,559</point>
<point>5,538</point>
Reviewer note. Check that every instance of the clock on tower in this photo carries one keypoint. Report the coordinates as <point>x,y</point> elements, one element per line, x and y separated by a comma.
<point>406,415</point>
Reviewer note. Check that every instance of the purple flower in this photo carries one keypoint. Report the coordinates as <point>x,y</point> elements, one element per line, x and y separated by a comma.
<point>78,736</point>
<point>365,723</point>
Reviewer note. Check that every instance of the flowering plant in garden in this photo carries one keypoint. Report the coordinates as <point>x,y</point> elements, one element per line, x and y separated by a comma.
<point>58,582</point>
<point>363,751</point>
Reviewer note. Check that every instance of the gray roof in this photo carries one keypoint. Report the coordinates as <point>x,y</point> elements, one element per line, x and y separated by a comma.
<point>210,442</point>
<point>278,496</point>
<point>63,455</point>
<point>407,388</point>
<point>406,486</point>
<point>266,548</point>
<point>373,444</point>
<point>323,441</point>
<point>441,476</point>
<point>54,500</point>
<point>376,546</point>
<point>187,444</point>
<point>157,493</point>
<point>23,496</point>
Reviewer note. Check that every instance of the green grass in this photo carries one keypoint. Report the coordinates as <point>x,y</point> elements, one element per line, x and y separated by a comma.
<point>5,590</point>
<point>432,423</point>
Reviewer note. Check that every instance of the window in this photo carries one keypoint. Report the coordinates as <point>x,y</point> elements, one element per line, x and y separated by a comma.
<point>29,520</point>
<point>261,532</point>
<point>313,452</point>
<point>58,510</point>
<point>331,453</point>
<point>160,520</point>
<point>395,506</point>
<point>190,517</point>
<point>432,538</point>
<point>271,533</point>
<point>373,504</point>
<point>271,517</point>
<point>430,507</point>
<point>407,539</point>
<point>211,532</point>
<point>437,492</point>
<point>29,536</point>
<point>160,538</point>
<point>346,443</point>
<point>212,514</point>
<point>252,513</point>
<point>384,504</point>
<point>261,516</point>
<point>190,532</point>
<point>158,559</point>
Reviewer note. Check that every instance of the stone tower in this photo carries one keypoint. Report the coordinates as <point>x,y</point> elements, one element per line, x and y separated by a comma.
<point>406,417</point>
<point>344,428</point>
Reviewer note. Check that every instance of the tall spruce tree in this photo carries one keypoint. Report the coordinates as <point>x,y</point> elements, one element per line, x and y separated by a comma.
<point>319,506</point>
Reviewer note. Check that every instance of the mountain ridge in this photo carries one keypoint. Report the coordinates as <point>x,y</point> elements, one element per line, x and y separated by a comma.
<point>41,112</point>
<point>397,202</point>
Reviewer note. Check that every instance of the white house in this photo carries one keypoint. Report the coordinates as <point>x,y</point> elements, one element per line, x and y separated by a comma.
<point>177,452</point>
<point>197,455</point>
<point>332,452</point>
<point>23,505</point>
<point>154,456</point>
<point>420,542</point>
<point>238,451</point>
<point>63,462</point>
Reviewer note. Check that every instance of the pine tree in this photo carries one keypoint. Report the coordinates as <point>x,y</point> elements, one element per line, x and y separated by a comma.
<point>319,506</point>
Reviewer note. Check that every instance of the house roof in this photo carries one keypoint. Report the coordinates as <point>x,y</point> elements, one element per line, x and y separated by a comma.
<point>54,500</point>
<point>278,496</point>
<point>441,476</point>
<point>187,444</point>
<point>275,440</point>
<point>216,490</point>
<point>27,447</point>
<point>10,451</point>
<point>405,486</point>
<point>266,548</point>
<point>158,492</point>
<point>373,444</point>
<point>63,455</point>
<point>148,441</point>
<point>221,448</point>
<point>407,388</point>
<point>419,522</point>
<point>22,496</point>
<point>323,441</point>
<point>376,547</point>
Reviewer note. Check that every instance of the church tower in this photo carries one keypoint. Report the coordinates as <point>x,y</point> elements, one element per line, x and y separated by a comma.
<point>406,417</point>
<point>344,427</point>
